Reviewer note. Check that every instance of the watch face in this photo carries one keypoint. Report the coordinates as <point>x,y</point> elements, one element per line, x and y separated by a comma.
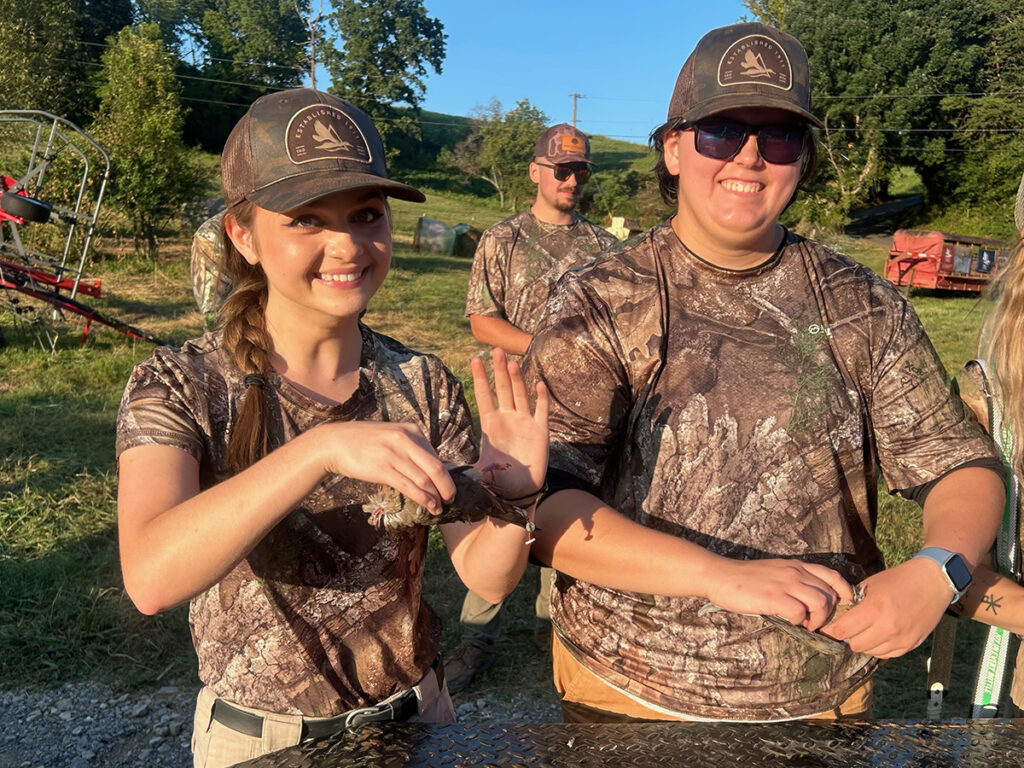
<point>958,573</point>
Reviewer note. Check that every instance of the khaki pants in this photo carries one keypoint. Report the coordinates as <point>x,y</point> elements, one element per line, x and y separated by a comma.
<point>214,745</point>
<point>588,699</point>
<point>481,620</point>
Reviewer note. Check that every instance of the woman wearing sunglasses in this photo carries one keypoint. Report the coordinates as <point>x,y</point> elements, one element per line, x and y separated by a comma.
<point>712,485</point>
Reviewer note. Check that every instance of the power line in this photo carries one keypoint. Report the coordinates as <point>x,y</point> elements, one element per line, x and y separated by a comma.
<point>291,67</point>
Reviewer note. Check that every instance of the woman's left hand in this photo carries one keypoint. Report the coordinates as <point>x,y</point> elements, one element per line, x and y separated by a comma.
<point>514,445</point>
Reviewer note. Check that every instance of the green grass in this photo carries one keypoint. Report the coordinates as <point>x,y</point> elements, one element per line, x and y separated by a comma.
<point>63,611</point>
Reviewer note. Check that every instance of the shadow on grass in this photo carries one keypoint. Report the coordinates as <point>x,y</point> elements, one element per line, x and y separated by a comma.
<point>421,263</point>
<point>65,617</point>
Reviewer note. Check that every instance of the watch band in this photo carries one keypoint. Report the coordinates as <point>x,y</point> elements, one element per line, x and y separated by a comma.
<point>953,567</point>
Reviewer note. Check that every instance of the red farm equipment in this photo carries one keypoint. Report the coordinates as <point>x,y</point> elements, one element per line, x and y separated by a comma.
<point>48,216</point>
<point>941,261</point>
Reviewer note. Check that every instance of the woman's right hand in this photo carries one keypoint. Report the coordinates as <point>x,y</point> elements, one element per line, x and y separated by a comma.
<point>389,453</point>
<point>804,594</point>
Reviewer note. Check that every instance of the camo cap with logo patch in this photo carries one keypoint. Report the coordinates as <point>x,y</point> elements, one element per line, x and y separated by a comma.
<point>743,65</point>
<point>563,144</point>
<point>295,146</point>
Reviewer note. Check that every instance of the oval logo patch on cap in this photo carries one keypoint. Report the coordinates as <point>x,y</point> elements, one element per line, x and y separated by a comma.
<point>323,132</point>
<point>755,59</point>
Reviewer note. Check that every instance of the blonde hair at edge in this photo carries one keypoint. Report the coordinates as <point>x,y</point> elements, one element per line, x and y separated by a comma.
<point>1004,348</point>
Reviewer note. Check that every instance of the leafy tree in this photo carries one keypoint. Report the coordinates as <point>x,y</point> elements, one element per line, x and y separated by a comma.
<point>990,138</point>
<point>500,149</point>
<point>36,46</point>
<point>878,69</point>
<point>140,123</point>
<point>387,48</point>
<point>230,53</point>
<point>771,12</point>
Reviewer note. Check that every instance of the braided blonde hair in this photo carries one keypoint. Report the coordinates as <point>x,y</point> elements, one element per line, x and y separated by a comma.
<point>1005,351</point>
<point>242,319</point>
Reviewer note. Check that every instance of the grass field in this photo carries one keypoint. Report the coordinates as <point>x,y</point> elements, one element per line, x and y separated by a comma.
<point>63,611</point>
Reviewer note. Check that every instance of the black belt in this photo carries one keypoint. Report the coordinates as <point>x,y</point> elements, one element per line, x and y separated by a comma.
<point>399,709</point>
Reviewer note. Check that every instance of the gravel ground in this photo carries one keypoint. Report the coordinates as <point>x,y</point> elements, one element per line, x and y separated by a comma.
<point>86,725</point>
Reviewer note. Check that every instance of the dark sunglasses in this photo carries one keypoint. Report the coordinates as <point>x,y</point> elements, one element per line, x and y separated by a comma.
<point>721,138</point>
<point>563,172</point>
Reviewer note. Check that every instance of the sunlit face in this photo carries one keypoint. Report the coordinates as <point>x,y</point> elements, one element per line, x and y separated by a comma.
<point>733,205</point>
<point>323,260</point>
<point>559,195</point>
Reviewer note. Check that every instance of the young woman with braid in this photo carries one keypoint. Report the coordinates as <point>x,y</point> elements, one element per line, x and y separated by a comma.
<point>246,456</point>
<point>993,598</point>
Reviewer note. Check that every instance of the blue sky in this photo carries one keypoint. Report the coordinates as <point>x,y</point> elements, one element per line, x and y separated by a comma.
<point>622,57</point>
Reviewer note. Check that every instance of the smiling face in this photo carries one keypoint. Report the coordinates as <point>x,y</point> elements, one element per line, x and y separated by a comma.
<point>728,210</point>
<point>324,260</point>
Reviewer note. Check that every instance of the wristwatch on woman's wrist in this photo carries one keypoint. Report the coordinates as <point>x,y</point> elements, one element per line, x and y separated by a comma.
<point>954,568</point>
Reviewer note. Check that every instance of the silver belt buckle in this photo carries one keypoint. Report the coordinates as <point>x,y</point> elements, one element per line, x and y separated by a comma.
<point>351,720</point>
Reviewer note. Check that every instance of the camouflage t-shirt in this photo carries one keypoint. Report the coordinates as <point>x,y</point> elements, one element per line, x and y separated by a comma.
<point>326,613</point>
<point>518,261</point>
<point>714,410</point>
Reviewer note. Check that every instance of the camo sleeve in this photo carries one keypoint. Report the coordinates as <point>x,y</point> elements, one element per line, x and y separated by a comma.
<point>489,277</point>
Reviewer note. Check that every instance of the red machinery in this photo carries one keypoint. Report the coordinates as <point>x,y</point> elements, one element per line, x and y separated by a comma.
<point>48,267</point>
<point>939,260</point>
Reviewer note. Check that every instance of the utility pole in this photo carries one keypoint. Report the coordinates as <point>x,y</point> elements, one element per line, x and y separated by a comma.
<point>575,96</point>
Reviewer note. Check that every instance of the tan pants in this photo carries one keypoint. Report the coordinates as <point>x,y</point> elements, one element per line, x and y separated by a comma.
<point>587,698</point>
<point>214,745</point>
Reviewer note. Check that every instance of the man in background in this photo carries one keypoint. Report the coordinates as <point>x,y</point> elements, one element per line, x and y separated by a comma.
<point>516,265</point>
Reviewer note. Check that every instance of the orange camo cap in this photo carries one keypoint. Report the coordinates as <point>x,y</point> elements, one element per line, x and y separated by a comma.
<point>563,144</point>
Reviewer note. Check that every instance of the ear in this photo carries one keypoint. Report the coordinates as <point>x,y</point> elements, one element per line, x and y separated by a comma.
<point>241,238</point>
<point>672,144</point>
<point>534,172</point>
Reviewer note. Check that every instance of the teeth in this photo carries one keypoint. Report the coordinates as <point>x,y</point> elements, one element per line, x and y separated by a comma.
<point>338,278</point>
<point>739,186</point>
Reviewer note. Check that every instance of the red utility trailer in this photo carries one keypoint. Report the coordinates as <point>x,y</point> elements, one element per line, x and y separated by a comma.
<point>930,259</point>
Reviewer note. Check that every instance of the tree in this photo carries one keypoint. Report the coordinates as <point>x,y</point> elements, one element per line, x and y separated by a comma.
<point>140,124</point>
<point>771,12</point>
<point>230,53</point>
<point>500,148</point>
<point>990,128</point>
<point>36,44</point>
<point>387,48</point>
<point>879,69</point>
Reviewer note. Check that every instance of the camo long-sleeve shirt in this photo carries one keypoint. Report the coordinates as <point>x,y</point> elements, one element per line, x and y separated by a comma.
<point>326,613</point>
<point>714,410</point>
<point>518,261</point>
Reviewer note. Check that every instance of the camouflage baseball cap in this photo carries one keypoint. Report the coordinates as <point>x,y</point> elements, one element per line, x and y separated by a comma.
<point>563,144</point>
<point>743,65</point>
<point>1018,209</point>
<point>294,146</point>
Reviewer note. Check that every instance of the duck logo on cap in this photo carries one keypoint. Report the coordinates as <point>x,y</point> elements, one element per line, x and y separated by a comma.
<point>755,59</point>
<point>322,132</point>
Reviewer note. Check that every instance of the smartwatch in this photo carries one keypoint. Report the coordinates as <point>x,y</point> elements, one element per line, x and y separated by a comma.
<point>957,574</point>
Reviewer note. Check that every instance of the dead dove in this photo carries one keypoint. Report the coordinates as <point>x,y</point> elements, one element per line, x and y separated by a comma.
<point>813,640</point>
<point>474,499</point>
